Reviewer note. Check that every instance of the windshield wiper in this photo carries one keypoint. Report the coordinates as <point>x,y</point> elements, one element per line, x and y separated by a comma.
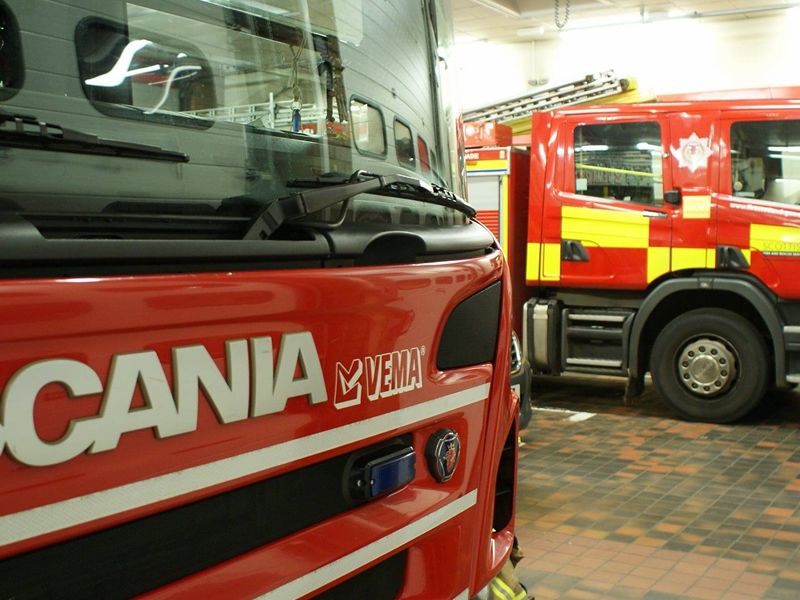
<point>29,132</point>
<point>328,192</point>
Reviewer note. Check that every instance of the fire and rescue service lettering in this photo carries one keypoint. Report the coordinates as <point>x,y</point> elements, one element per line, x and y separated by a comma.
<point>380,376</point>
<point>255,386</point>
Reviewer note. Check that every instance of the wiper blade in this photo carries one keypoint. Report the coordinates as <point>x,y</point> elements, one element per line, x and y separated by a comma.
<point>325,193</point>
<point>29,132</point>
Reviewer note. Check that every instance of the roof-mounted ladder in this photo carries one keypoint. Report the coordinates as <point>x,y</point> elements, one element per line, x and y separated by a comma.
<point>591,87</point>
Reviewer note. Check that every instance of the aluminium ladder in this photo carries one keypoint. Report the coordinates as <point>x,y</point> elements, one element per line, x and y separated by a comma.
<point>591,87</point>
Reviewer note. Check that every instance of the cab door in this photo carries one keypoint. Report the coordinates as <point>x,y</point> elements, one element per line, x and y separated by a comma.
<point>615,224</point>
<point>759,197</point>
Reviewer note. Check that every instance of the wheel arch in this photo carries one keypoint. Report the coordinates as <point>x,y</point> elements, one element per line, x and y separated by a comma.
<point>676,296</point>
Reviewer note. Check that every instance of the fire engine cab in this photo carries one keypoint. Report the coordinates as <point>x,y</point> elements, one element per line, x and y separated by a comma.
<point>254,344</point>
<point>665,238</point>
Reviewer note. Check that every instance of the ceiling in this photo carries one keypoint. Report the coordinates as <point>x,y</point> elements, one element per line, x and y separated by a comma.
<point>509,21</point>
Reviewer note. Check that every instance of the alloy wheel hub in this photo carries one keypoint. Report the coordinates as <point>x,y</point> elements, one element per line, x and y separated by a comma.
<point>707,367</point>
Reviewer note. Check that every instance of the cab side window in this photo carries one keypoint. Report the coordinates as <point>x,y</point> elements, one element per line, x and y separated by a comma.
<point>620,161</point>
<point>11,70</point>
<point>765,160</point>
<point>368,127</point>
<point>404,144</point>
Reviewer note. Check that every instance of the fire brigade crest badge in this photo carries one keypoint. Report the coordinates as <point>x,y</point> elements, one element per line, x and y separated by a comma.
<point>693,153</point>
<point>442,452</point>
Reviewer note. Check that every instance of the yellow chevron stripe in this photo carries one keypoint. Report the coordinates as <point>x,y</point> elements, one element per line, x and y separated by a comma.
<point>605,228</point>
<point>534,255</point>
<point>657,262</point>
<point>774,238</point>
<point>689,258</point>
<point>551,263</point>
<point>711,257</point>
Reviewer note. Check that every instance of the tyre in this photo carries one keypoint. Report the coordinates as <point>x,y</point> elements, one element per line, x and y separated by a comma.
<point>710,365</point>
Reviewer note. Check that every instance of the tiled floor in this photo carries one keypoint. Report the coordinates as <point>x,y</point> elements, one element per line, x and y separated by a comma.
<point>628,502</point>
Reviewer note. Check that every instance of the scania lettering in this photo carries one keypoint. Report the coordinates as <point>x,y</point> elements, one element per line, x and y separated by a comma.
<point>166,412</point>
<point>243,299</point>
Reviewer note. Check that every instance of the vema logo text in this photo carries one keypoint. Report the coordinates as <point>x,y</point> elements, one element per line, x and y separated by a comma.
<point>378,376</point>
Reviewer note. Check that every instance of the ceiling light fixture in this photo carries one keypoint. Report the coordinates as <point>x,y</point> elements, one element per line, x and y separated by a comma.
<point>509,8</point>
<point>528,31</point>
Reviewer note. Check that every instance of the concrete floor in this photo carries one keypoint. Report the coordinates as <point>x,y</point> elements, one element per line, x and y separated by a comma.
<point>629,502</point>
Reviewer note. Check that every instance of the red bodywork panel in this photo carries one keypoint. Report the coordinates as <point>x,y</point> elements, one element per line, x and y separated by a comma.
<point>351,313</point>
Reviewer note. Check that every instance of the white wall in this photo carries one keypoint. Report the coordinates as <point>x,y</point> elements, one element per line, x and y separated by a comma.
<point>664,57</point>
<point>492,72</point>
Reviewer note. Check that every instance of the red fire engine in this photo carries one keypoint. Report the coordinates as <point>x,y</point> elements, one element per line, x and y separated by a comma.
<point>249,350</point>
<point>665,237</point>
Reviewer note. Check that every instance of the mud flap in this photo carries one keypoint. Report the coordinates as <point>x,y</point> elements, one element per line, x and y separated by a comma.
<point>633,389</point>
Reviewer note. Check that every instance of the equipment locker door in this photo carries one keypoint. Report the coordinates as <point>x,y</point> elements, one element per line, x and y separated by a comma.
<point>486,195</point>
<point>615,225</point>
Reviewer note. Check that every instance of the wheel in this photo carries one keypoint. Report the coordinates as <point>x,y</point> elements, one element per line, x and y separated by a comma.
<point>525,411</point>
<point>710,365</point>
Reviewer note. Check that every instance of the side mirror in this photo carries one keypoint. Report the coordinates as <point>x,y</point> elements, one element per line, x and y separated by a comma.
<point>672,197</point>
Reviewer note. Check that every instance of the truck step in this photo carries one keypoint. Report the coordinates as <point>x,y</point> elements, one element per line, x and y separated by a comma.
<point>595,341</point>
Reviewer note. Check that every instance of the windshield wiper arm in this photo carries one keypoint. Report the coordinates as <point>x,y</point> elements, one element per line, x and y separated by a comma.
<point>329,193</point>
<point>29,132</point>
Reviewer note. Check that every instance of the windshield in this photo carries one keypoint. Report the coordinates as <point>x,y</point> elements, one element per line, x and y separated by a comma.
<point>218,107</point>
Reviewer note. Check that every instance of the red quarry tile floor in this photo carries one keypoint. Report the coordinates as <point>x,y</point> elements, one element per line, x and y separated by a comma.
<point>629,502</point>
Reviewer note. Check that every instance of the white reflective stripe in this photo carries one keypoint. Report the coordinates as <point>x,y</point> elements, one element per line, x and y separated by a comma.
<point>37,521</point>
<point>463,595</point>
<point>347,564</point>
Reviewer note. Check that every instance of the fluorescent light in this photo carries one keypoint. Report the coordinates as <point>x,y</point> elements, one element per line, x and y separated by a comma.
<point>646,146</point>
<point>593,148</point>
<point>466,38</point>
<point>508,8</point>
<point>528,31</point>
<point>783,148</point>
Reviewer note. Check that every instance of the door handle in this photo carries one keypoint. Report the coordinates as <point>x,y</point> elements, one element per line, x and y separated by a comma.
<point>573,251</point>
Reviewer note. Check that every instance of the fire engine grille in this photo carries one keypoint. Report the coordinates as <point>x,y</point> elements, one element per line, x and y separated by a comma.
<point>142,555</point>
<point>381,582</point>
